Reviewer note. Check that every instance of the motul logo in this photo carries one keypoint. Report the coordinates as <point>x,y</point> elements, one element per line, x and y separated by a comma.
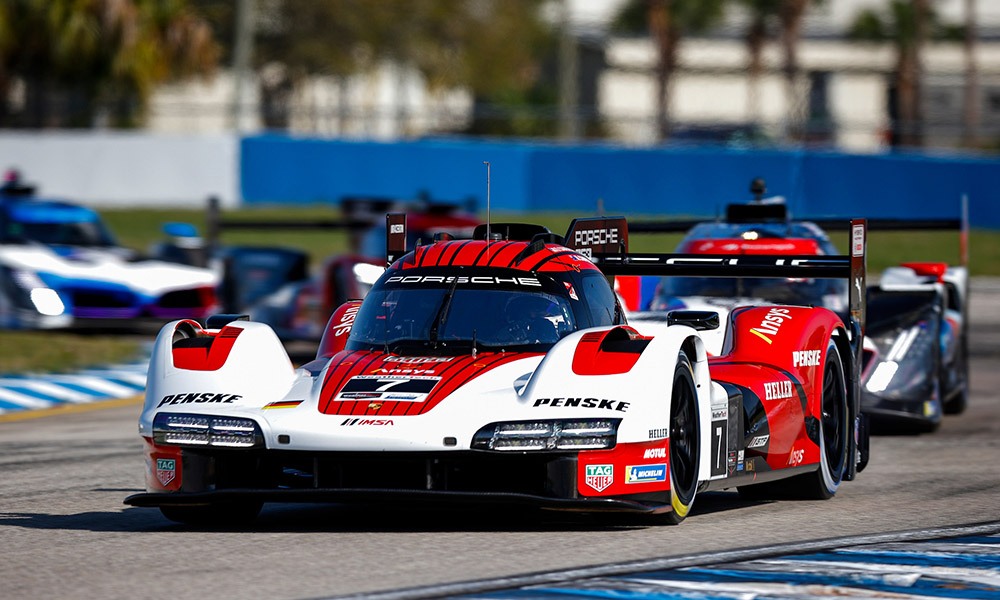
<point>771,323</point>
<point>776,390</point>
<point>806,358</point>
<point>655,453</point>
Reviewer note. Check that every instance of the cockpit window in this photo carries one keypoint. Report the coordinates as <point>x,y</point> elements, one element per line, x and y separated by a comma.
<point>447,311</point>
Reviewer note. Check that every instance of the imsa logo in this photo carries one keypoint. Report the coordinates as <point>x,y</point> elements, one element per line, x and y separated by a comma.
<point>600,477</point>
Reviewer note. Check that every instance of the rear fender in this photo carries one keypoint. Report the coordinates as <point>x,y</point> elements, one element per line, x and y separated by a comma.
<point>338,328</point>
<point>787,338</point>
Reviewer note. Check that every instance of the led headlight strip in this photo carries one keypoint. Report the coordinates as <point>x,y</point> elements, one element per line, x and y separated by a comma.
<point>555,434</point>
<point>178,429</point>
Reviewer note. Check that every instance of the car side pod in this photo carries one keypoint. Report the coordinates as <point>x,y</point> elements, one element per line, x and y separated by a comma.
<point>700,320</point>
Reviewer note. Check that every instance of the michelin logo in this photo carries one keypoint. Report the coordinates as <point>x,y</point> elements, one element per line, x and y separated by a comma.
<point>646,473</point>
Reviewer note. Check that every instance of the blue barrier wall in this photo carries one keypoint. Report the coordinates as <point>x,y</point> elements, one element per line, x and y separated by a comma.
<point>674,181</point>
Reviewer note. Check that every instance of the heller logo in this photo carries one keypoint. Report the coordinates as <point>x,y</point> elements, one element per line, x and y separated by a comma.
<point>776,390</point>
<point>600,477</point>
<point>771,323</point>
<point>805,358</point>
<point>166,470</point>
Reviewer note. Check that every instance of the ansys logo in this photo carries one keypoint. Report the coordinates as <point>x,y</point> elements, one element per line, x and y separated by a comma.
<point>600,477</point>
<point>771,323</point>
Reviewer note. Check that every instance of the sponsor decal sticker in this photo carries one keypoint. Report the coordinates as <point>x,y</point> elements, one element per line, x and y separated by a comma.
<point>858,240</point>
<point>374,405</point>
<point>599,477</point>
<point>356,422</point>
<point>572,292</point>
<point>795,456</point>
<point>806,358</point>
<point>758,441</point>
<point>419,359</point>
<point>396,228</point>
<point>284,404</point>
<point>645,473</point>
<point>399,388</point>
<point>346,321</point>
<point>595,237</point>
<point>776,390</point>
<point>478,280</point>
<point>199,398</point>
<point>771,323</point>
<point>605,404</point>
<point>166,470</point>
<point>658,434</point>
<point>655,453</point>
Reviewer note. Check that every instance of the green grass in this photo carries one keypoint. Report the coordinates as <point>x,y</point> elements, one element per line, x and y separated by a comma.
<point>58,352</point>
<point>140,229</point>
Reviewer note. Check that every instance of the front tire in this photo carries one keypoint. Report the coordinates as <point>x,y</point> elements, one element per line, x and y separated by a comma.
<point>684,442</point>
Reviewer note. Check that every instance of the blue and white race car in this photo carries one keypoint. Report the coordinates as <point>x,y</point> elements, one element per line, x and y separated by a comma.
<point>60,267</point>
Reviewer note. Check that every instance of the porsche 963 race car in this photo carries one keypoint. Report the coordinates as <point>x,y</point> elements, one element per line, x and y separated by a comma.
<point>501,369</point>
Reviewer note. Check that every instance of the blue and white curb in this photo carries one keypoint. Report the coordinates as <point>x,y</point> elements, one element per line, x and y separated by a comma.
<point>957,568</point>
<point>32,392</point>
<point>928,564</point>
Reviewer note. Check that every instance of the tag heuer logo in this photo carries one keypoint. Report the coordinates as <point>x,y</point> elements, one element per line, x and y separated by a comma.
<point>600,477</point>
<point>165,470</point>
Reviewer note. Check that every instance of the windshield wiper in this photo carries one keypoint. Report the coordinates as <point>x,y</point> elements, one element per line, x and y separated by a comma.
<point>442,314</point>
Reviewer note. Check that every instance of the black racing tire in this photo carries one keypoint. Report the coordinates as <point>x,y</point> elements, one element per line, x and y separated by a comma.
<point>225,515</point>
<point>684,444</point>
<point>834,432</point>
<point>957,404</point>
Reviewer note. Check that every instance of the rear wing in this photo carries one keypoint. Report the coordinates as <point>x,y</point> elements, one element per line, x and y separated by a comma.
<point>605,241</point>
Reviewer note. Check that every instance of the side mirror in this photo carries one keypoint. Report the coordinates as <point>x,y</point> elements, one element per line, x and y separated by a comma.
<point>700,320</point>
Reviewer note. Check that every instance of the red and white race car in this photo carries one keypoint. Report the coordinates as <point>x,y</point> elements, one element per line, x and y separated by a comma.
<point>501,369</point>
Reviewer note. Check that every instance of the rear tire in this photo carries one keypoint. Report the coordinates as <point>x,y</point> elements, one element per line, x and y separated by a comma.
<point>684,442</point>
<point>834,428</point>
<point>224,514</point>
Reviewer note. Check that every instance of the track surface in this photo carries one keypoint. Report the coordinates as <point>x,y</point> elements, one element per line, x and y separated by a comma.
<point>65,533</point>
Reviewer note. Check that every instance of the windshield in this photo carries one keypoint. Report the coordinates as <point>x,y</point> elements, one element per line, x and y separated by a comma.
<point>430,312</point>
<point>830,293</point>
<point>69,227</point>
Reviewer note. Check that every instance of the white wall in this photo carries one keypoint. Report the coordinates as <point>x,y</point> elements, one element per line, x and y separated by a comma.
<point>114,169</point>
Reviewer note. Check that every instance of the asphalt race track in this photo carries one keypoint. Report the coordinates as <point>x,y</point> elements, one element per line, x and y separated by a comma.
<point>64,531</point>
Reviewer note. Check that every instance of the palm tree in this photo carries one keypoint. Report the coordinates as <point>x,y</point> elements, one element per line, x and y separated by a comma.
<point>666,21</point>
<point>74,57</point>
<point>906,27</point>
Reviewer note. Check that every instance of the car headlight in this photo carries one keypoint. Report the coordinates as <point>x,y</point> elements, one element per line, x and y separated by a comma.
<point>178,429</point>
<point>45,299</point>
<point>556,434</point>
<point>905,359</point>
